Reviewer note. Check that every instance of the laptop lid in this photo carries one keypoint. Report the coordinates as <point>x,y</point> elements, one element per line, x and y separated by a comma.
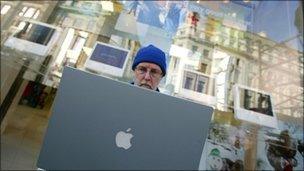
<point>102,124</point>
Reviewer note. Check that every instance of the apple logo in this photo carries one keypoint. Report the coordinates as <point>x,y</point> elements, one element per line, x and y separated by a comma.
<point>123,139</point>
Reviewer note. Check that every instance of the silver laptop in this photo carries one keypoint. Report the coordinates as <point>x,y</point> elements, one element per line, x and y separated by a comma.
<point>102,124</point>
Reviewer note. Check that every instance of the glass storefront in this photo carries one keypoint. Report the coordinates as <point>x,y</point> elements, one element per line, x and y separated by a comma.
<point>212,47</point>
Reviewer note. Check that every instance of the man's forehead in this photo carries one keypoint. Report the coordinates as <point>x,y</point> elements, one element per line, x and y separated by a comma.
<point>150,65</point>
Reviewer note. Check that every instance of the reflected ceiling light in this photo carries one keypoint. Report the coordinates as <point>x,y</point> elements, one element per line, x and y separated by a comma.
<point>246,1</point>
<point>5,9</point>
<point>226,1</point>
<point>197,1</point>
<point>107,5</point>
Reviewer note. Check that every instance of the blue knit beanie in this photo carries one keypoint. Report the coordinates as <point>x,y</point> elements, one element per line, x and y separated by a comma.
<point>151,54</point>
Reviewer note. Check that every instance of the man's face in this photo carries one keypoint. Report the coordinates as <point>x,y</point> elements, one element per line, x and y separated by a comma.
<point>147,75</point>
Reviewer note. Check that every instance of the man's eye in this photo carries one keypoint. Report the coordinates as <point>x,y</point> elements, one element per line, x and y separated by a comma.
<point>156,72</point>
<point>153,71</point>
<point>142,69</point>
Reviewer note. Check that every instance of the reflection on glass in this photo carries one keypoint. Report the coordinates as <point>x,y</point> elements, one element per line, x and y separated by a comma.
<point>162,14</point>
<point>200,86</point>
<point>188,83</point>
<point>195,82</point>
<point>216,32</point>
<point>109,55</point>
<point>255,101</point>
<point>35,33</point>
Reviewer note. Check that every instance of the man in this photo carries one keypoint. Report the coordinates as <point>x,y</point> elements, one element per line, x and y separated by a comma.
<point>149,67</point>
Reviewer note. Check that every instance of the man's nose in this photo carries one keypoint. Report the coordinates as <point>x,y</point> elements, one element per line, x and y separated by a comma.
<point>147,75</point>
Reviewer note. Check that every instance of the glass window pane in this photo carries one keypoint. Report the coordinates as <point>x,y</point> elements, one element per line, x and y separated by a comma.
<point>200,86</point>
<point>188,83</point>
<point>258,44</point>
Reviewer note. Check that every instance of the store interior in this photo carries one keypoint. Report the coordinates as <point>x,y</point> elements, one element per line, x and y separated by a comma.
<point>243,58</point>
